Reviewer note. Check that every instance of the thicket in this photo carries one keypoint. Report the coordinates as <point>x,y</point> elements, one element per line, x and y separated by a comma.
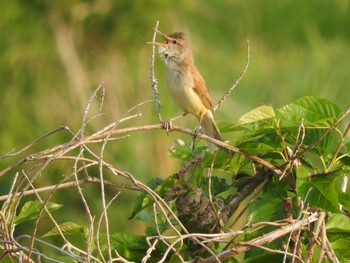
<point>281,197</point>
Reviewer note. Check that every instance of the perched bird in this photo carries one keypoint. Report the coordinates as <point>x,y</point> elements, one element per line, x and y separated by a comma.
<point>186,85</point>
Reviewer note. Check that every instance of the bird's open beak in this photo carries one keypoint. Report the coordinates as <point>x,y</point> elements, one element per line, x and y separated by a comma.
<point>166,38</point>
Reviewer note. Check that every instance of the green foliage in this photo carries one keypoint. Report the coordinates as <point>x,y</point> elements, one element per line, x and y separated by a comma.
<point>68,228</point>
<point>34,209</point>
<point>128,245</point>
<point>308,127</point>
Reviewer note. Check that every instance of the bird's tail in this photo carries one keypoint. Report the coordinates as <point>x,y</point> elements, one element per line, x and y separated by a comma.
<point>210,128</point>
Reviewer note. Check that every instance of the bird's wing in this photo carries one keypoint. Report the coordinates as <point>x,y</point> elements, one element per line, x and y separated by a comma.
<point>200,88</point>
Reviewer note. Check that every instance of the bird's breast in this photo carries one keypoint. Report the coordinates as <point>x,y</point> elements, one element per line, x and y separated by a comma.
<point>180,86</point>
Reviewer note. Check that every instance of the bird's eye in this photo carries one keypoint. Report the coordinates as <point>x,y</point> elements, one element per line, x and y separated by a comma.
<point>174,42</point>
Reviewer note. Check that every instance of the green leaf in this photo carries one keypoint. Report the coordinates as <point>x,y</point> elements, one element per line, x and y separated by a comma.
<point>130,246</point>
<point>338,222</point>
<point>302,181</point>
<point>260,113</point>
<point>316,111</point>
<point>256,255</point>
<point>218,185</point>
<point>344,199</point>
<point>144,199</point>
<point>338,226</point>
<point>239,164</point>
<point>341,248</point>
<point>267,143</point>
<point>268,206</point>
<point>260,118</point>
<point>325,195</point>
<point>322,147</point>
<point>68,228</point>
<point>131,241</point>
<point>31,210</point>
<point>320,190</point>
<point>181,150</point>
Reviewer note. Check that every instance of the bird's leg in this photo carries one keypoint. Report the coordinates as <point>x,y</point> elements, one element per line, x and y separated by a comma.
<point>196,130</point>
<point>195,133</point>
<point>168,125</point>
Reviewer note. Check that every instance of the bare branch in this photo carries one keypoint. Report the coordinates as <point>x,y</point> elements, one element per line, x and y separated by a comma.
<point>154,81</point>
<point>223,98</point>
<point>325,133</point>
<point>240,247</point>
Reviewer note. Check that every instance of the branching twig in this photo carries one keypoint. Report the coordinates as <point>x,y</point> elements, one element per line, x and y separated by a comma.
<point>154,82</point>
<point>223,98</point>
<point>11,154</point>
<point>308,148</point>
<point>62,149</point>
<point>262,240</point>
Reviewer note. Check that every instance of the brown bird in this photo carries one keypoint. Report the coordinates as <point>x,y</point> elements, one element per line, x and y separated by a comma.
<point>186,85</point>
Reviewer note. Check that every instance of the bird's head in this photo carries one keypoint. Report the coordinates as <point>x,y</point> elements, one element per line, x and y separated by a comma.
<point>176,50</point>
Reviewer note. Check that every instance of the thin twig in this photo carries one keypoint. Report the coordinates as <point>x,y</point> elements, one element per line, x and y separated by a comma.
<point>259,187</point>
<point>154,81</point>
<point>340,145</point>
<point>209,175</point>
<point>103,196</point>
<point>314,236</point>
<point>87,208</point>
<point>262,240</point>
<point>292,159</point>
<point>276,251</point>
<point>84,120</point>
<point>11,154</point>
<point>223,98</point>
<point>90,180</point>
<point>316,142</point>
<point>64,148</point>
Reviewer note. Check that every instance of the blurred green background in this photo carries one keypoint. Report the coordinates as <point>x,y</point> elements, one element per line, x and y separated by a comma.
<point>53,54</point>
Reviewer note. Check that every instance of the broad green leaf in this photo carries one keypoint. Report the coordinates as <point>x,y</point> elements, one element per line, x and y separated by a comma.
<point>68,228</point>
<point>254,135</point>
<point>317,199</point>
<point>265,144</point>
<point>325,195</point>
<point>344,199</point>
<point>218,185</point>
<point>260,113</point>
<point>144,200</point>
<point>266,208</point>
<point>312,110</point>
<point>181,150</point>
<point>129,246</point>
<point>302,181</point>
<point>256,255</point>
<point>239,164</point>
<point>131,241</point>
<point>338,222</point>
<point>269,206</point>
<point>259,119</point>
<point>338,227</point>
<point>313,135</point>
<point>144,216</point>
<point>341,249</point>
<point>319,191</point>
<point>31,210</point>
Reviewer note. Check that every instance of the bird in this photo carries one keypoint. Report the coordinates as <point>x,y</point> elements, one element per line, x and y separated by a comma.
<point>186,85</point>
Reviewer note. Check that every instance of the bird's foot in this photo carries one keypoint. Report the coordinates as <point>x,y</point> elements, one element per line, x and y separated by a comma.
<point>167,125</point>
<point>195,132</point>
